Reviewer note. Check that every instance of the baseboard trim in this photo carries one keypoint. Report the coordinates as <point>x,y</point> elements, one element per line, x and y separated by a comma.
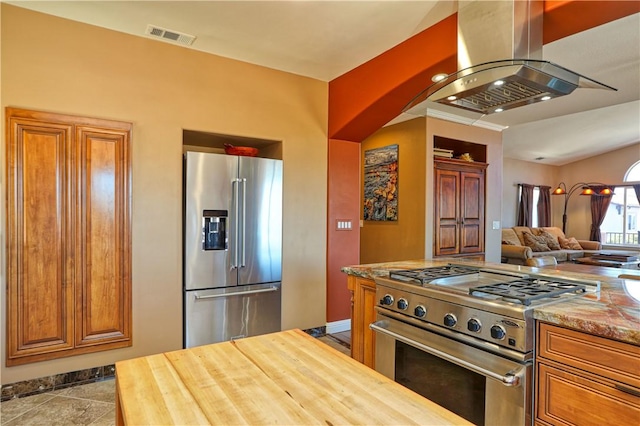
<point>338,326</point>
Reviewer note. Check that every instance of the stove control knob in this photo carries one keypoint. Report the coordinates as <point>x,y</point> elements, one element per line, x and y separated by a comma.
<point>402,304</point>
<point>450,320</point>
<point>420,311</point>
<point>497,332</point>
<point>387,300</point>
<point>474,325</point>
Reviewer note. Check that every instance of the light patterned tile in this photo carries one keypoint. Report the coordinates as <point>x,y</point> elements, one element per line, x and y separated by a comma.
<point>109,419</point>
<point>334,344</point>
<point>104,391</point>
<point>61,410</point>
<point>15,407</point>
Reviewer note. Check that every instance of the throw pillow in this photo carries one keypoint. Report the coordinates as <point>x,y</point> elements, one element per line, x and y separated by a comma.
<point>569,243</point>
<point>536,243</point>
<point>551,240</point>
<point>508,243</point>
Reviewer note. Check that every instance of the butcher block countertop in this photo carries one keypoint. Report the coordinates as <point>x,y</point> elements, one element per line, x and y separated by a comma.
<point>613,312</point>
<point>285,378</point>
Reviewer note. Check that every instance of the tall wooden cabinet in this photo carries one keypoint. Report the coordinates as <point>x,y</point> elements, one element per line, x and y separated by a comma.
<point>459,207</point>
<point>68,235</point>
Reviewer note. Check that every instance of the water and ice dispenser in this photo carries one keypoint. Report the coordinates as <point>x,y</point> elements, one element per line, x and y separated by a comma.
<point>214,229</point>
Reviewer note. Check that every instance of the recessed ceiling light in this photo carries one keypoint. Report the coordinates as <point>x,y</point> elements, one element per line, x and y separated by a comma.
<point>438,77</point>
<point>498,110</point>
<point>451,98</point>
<point>498,83</point>
<point>545,98</point>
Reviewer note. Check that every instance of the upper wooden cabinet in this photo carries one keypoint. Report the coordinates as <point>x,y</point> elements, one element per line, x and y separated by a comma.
<point>459,207</point>
<point>68,235</point>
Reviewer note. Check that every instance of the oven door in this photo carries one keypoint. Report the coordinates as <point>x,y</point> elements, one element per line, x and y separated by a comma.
<point>480,386</point>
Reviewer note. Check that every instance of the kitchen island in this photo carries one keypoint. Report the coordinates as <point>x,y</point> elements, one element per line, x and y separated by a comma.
<point>587,346</point>
<point>611,313</point>
<point>280,378</point>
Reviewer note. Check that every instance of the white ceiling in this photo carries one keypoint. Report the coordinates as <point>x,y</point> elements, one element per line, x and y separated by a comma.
<point>325,39</point>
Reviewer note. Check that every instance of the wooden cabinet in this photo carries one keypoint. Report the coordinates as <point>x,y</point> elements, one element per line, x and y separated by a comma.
<point>363,302</point>
<point>585,380</point>
<point>68,235</point>
<point>459,207</point>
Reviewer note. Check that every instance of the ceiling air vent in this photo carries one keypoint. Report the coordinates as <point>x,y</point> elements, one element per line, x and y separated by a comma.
<point>170,35</point>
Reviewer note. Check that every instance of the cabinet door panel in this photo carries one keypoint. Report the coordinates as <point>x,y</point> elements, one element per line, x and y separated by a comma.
<point>470,240</point>
<point>447,208</point>
<point>447,195</point>
<point>472,213</point>
<point>448,239</point>
<point>566,399</point>
<point>40,285</point>
<point>369,336</point>
<point>102,300</point>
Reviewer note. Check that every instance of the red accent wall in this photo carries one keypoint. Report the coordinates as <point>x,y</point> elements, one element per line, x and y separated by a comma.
<point>343,203</point>
<point>369,96</point>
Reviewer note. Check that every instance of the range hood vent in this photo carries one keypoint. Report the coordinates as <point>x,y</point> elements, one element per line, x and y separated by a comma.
<point>504,40</point>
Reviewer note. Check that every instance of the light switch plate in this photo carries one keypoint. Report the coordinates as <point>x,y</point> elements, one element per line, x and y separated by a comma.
<point>343,225</point>
<point>496,224</point>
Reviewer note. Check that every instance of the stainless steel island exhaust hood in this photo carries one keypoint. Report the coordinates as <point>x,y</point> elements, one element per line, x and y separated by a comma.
<point>500,62</point>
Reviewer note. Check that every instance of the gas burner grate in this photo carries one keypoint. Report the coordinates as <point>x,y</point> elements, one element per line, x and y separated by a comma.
<point>425,275</point>
<point>527,290</point>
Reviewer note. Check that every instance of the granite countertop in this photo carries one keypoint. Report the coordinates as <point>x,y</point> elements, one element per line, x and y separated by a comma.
<point>611,312</point>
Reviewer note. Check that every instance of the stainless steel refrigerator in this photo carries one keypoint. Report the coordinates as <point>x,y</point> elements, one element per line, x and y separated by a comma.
<point>232,247</point>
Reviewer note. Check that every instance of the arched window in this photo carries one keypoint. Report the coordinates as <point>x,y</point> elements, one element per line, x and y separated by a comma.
<point>621,225</point>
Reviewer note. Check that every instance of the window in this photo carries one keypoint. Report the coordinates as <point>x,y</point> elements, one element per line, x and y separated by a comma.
<point>620,225</point>
<point>536,197</point>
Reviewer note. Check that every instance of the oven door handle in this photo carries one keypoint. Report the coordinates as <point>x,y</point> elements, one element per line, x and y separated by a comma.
<point>511,378</point>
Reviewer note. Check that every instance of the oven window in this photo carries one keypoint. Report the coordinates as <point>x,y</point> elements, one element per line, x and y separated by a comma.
<point>453,387</point>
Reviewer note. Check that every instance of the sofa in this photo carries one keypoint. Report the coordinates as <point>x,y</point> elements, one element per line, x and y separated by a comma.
<point>521,243</point>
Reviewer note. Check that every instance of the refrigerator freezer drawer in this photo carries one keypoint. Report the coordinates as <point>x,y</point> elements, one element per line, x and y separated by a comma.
<point>220,315</point>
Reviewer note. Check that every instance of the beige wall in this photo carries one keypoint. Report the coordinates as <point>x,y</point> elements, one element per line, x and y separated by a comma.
<point>387,241</point>
<point>517,171</point>
<point>382,241</point>
<point>606,168</point>
<point>493,201</point>
<point>62,66</point>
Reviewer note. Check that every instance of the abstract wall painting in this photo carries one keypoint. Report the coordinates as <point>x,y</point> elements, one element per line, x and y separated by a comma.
<point>381,183</point>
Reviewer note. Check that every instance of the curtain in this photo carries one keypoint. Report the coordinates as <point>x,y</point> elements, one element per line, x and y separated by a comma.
<point>544,206</point>
<point>637,189</point>
<point>525,212</point>
<point>599,206</point>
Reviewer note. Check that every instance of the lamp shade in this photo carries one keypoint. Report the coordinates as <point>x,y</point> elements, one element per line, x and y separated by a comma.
<point>605,191</point>
<point>587,191</point>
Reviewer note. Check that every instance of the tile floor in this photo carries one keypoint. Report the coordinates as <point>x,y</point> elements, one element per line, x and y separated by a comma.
<point>94,403</point>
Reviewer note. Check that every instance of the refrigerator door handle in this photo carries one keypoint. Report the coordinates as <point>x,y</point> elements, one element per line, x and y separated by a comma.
<point>237,293</point>
<point>235,185</point>
<point>243,262</point>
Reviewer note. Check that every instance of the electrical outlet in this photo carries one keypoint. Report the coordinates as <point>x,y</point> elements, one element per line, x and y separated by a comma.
<point>496,224</point>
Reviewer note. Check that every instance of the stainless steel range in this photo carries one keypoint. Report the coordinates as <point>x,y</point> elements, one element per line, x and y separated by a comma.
<point>463,336</point>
